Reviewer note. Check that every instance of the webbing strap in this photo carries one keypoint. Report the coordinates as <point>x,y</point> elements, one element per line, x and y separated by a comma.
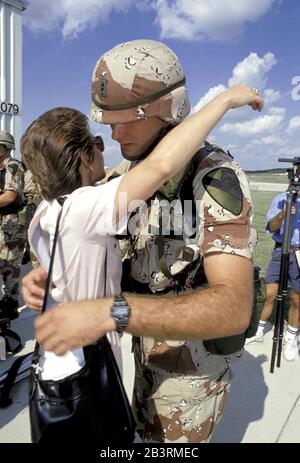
<point>201,154</point>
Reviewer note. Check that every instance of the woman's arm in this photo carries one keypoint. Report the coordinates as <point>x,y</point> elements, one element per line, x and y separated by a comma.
<point>177,148</point>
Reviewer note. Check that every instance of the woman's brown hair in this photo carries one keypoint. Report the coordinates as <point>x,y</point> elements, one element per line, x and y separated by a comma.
<point>51,149</point>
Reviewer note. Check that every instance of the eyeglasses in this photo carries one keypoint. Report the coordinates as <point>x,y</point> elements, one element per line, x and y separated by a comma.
<point>98,141</point>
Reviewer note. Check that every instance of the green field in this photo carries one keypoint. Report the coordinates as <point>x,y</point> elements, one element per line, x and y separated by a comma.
<point>262,202</point>
<point>268,178</point>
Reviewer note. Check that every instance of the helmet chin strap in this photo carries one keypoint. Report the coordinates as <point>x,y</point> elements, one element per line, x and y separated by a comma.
<point>150,148</point>
<point>132,158</point>
<point>4,154</point>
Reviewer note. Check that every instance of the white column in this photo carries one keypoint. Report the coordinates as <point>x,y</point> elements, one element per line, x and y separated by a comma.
<point>11,68</point>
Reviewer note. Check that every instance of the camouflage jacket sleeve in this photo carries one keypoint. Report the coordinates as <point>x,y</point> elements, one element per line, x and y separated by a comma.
<point>14,177</point>
<point>121,169</point>
<point>223,202</point>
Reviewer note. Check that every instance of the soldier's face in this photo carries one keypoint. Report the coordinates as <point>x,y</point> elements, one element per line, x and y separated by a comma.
<point>136,137</point>
<point>3,151</point>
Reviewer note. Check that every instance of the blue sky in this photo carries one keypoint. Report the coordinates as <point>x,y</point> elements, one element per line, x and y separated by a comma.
<point>219,42</point>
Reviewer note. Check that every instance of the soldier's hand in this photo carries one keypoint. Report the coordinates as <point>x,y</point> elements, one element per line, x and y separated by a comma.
<point>74,324</point>
<point>33,288</point>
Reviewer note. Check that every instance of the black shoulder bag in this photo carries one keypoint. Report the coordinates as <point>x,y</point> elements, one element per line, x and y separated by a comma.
<point>89,406</point>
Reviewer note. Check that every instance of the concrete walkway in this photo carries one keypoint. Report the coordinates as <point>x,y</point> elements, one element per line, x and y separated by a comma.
<point>263,407</point>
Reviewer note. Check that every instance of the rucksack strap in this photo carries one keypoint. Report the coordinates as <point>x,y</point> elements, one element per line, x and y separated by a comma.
<point>186,192</point>
<point>7,333</point>
<point>9,381</point>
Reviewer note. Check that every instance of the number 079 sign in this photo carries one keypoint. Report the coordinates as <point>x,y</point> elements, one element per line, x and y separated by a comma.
<point>9,108</point>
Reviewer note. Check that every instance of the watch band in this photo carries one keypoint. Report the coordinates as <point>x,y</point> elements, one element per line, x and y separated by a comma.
<point>120,311</point>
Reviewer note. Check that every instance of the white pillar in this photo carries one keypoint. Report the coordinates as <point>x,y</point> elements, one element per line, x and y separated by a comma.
<point>11,68</point>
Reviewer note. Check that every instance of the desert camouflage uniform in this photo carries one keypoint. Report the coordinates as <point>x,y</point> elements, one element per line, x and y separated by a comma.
<point>33,198</point>
<point>180,388</point>
<point>32,195</point>
<point>12,232</point>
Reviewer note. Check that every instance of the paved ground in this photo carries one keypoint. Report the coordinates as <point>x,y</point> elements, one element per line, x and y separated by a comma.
<point>263,407</point>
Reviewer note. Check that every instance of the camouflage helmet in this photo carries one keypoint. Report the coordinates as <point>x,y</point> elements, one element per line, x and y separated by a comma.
<point>7,140</point>
<point>138,80</point>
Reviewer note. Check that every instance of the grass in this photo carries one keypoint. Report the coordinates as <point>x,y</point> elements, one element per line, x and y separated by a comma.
<point>268,178</point>
<point>262,201</point>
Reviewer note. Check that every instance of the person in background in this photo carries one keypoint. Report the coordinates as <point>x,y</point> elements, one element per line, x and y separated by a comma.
<point>12,230</point>
<point>275,227</point>
<point>33,198</point>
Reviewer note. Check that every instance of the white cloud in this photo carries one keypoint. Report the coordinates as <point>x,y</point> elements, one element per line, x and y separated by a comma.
<point>71,16</point>
<point>269,140</point>
<point>186,19</point>
<point>270,96</point>
<point>219,20</point>
<point>294,125</point>
<point>253,70</point>
<point>262,124</point>
<point>212,92</point>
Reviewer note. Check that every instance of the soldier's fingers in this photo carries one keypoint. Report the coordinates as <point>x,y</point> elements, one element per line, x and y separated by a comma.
<point>53,343</point>
<point>43,322</point>
<point>61,348</point>
<point>49,337</point>
<point>43,331</point>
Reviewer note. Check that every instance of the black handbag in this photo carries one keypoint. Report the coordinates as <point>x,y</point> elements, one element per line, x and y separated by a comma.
<point>89,406</point>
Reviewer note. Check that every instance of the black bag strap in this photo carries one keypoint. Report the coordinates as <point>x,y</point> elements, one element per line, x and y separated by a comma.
<point>36,355</point>
<point>12,373</point>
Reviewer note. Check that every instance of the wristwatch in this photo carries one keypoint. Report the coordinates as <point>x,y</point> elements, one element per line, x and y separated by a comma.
<point>120,312</point>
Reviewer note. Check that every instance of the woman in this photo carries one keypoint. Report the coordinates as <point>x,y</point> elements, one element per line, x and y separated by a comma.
<point>67,160</point>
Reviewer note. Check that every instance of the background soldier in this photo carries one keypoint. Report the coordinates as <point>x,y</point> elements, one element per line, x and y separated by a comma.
<point>12,232</point>
<point>33,198</point>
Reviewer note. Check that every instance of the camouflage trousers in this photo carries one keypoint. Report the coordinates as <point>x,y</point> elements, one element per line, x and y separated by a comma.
<point>12,242</point>
<point>177,408</point>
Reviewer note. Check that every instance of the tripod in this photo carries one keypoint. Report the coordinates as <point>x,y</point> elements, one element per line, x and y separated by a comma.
<point>294,187</point>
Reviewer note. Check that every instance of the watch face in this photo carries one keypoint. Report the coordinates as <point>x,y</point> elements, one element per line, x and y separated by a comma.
<point>120,312</point>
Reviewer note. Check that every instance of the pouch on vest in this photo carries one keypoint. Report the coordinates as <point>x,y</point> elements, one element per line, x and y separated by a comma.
<point>231,344</point>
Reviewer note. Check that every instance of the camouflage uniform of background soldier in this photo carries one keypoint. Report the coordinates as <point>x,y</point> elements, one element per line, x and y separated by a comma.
<point>12,232</point>
<point>33,198</point>
<point>180,387</point>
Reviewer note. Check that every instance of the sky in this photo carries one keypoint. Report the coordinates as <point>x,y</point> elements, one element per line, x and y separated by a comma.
<point>219,43</point>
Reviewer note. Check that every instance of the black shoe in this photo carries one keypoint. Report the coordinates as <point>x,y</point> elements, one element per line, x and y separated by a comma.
<point>9,308</point>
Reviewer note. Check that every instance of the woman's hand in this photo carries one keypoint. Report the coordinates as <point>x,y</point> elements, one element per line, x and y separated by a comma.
<point>33,288</point>
<point>240,94</point>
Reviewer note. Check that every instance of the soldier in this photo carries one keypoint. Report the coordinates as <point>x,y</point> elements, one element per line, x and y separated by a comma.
<point>180,385</point>
<point>33,198</point>
<point>12,231</point>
